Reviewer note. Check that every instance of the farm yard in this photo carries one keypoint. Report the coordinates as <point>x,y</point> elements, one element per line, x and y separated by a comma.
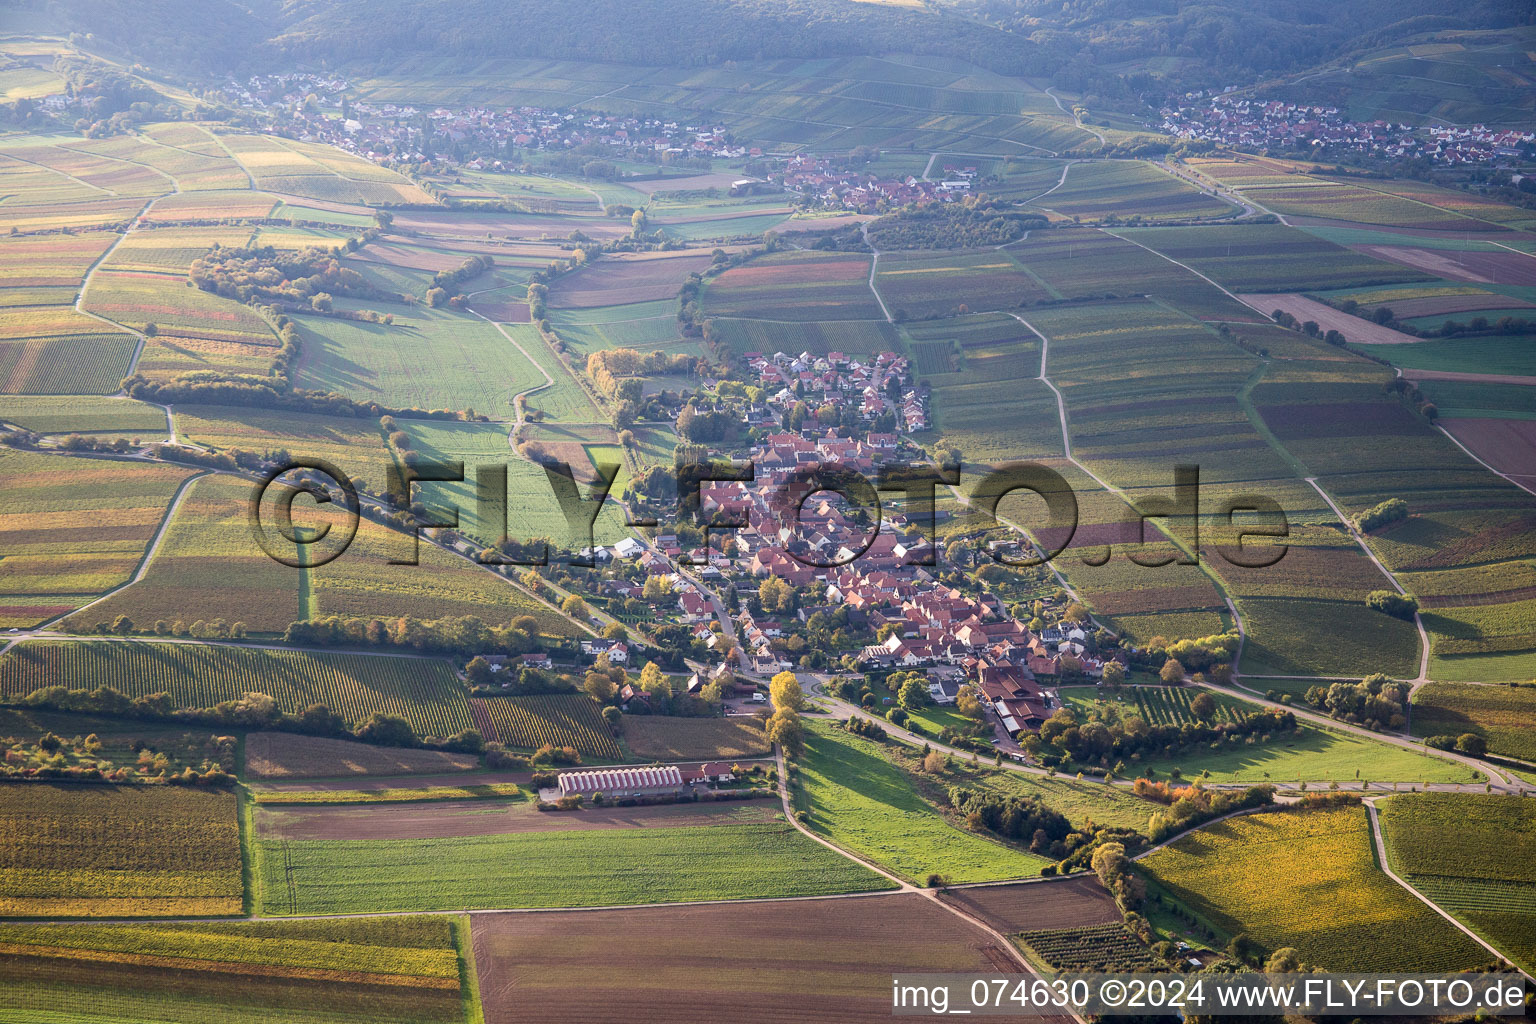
<point>1335,905</point>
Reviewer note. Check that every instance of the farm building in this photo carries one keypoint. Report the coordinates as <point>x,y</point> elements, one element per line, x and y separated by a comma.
<point>616,782</point>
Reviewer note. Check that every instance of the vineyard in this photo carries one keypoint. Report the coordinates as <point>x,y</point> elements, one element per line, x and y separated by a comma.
<point>559,720</point>
<point>402,970</point>
<point>1104,947</point>
<point>1309,880</point>
<point>140,851</point>
<point>1471,855</point>
<point>423,691</point>
<point>1169,705</point>
<point>1502,715</point>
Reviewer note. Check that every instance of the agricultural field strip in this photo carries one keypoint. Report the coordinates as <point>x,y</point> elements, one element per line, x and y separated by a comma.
<point>1382,861</point>
<point>1066,440</point>
<point>787,801</point>
<point>1418,621</point>
<point>42,630</point>
<point>1524,487</point>
<point>139,571</point>
<point>85,283</point>
<point>1500,782</point>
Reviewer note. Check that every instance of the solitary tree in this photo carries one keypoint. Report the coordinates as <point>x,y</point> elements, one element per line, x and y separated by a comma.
<point>1172,672</point>
<point>1203,707</point>
<point>785,692</point>
<point>785,729</point>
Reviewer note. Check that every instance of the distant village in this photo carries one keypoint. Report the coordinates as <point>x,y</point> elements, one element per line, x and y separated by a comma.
<point>479,138</point>
<point>1272,124</point>
<point>832,184</point>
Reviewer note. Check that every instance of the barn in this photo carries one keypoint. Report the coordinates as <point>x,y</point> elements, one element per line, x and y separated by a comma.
<point>619,782</point>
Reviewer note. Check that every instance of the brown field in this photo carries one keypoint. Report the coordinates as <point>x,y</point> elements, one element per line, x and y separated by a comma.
<point>449,819</point>
<point>684,182</point>
<point>1355,329</point>
<point>409,256</point>
<point>1030,906</point>
<point>780,961</point>
<point>281,755</point>
<point>676,739</point>
<point>187,206</point>
<point>1480,378</point>
<point>377,783</point>
<point>1509,446</point>
<point>456,224</point>
<point>1437,305</point>
<point>1476,267</point>
<point>503,312</point>
<point>615,281</point>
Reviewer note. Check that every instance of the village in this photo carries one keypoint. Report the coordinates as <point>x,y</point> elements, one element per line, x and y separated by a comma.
<point>834,184</point>
<point>477,138</point>
<point>1272,124</point>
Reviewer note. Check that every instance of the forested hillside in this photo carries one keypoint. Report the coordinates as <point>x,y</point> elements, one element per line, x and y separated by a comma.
<point>1103,46</point>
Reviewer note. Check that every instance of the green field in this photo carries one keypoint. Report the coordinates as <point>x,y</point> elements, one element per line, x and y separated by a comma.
<point>1270,257</point>
<point>429,359</point>
<point>1308,880</point>
<point>73,528</point>
<point>1312,755</point>
<point>531,507</point>
<point>1124,189</point>
<point>586,868</point>
<point>858,799</point>
<point>1458,399</point>
<point>402,970</point>
<point>1513,354</point>
<point>797,286</point>
<point>82,414</point>
<point>423,691</point>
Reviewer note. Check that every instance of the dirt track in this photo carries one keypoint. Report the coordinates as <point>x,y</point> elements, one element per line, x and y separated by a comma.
<point>1356,330</point>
